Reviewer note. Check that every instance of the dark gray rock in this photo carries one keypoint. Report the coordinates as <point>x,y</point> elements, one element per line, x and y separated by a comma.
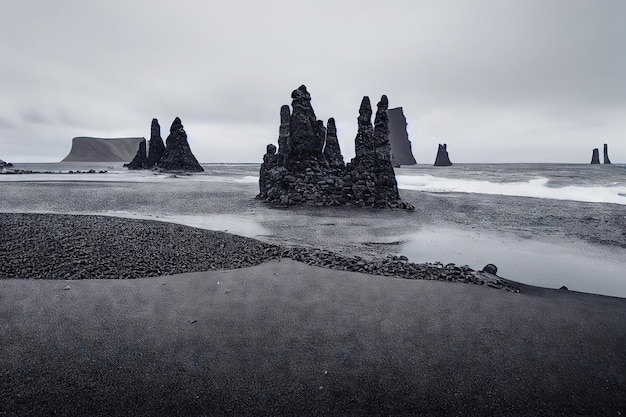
<point>156,147</point>
<point>332,151</point>
<point>595,156</point>
<point>606,154</point>
<point>401,152</point>
<point>178,155</point>
<point>309,168</point>
<point>140,160</point>
<point>490,269</point>
<point>5,164</point>
<point>442,159</point>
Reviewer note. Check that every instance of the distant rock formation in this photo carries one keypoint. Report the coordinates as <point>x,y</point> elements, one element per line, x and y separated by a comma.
<point>140,161</point>
<point>595,156</point>
<point>157,147</point>
<point>178,155</point>
<point>442,159</point>
<point>5,164</point>
<point>606,154</point>
<point>401,153</point>
<point>87,149</point>
<point>309,168</point>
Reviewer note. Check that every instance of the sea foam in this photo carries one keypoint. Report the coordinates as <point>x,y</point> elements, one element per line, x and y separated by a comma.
<point>537,187</point>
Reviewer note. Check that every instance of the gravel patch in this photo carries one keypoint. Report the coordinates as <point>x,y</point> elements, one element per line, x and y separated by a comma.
<point>69,247</point>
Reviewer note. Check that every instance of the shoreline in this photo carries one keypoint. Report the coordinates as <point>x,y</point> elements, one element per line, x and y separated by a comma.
<point>284,338</point>
<point>70,247</point>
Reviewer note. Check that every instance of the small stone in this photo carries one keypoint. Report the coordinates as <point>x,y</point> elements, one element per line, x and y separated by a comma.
<point>490,269</point>
<point>67,287</point>
<point>564,288</point>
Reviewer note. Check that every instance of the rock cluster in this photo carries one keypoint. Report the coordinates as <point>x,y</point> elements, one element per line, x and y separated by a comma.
<point>5,164</point>
<point>401,153</point>
<point>308,167</point>
<point>442,159</point>
<point>595,156</point>
<point>175,155</point>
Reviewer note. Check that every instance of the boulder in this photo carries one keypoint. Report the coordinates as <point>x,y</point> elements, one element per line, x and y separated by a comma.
<point>442,159</point>
<point>595,156</point>
<point>401,152</point>
<point>178,155</point>
<point>606,154</point>
<point>140,160</point>
<point>308,167</point>
<point>157,147</point>
<point>5,164</point>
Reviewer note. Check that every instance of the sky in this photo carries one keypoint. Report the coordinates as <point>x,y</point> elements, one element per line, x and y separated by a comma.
<point>498,81</point>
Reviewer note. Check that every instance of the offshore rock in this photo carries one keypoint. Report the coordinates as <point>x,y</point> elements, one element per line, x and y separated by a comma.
<point>595,156</point>
<point>401,153</point>
<point>442,159</point>
<point>5,164</point>
<point>178,155</point>
<point>140,160</point>
<point>308,167</point>
<point>606,154</point>
<point>156,147</point>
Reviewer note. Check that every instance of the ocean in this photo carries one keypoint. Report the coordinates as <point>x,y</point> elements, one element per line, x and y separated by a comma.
<point>549,225</point>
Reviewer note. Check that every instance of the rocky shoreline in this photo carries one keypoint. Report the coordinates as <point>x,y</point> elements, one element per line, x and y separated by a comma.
<point>68,247</point>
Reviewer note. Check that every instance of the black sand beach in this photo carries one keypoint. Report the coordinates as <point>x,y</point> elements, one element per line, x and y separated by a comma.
<point>285,338</point>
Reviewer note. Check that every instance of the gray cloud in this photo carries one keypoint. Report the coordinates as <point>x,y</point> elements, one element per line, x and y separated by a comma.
<point>516,78</point>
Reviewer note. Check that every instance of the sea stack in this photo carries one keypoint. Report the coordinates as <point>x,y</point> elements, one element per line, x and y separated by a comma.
<point>140,160</point>
<point>401,152</point>
<point>157,147</point>
<point>595,156</point>
<point>178,155</point>
<point>606,154</point>
<point>442,159</point>
<point>308,167</point>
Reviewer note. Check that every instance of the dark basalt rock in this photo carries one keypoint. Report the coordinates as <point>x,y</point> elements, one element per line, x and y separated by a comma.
<point>140,160</point>
<point>442,159</point>
<point>178,155</point>
<point>595,156</point>
<point>401,153</point>
<point>606,154</point>
<point>5,164</point>
<point>490,269</point>
<point>309,168</point>
<point>157,147</point>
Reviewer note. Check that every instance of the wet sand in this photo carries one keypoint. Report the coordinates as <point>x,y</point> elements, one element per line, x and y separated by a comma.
<point>284,338</point>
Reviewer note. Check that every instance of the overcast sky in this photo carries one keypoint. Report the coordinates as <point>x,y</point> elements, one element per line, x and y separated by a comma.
<point>497,80</point>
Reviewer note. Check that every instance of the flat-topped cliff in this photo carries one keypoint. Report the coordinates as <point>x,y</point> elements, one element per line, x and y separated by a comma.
<point>86,149</point>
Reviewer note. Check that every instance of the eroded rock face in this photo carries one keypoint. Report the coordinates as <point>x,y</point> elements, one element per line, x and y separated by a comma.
<point>140,160</point>
<point>606,154</point>
<point>442,159</point>
<point>156,147</point>
<point>595,156</point>
<point>178,155</point>
<point>401,152</point>
<point>309,168</point>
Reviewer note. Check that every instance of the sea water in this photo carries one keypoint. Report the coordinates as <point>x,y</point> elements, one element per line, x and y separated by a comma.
<point>221,198</point>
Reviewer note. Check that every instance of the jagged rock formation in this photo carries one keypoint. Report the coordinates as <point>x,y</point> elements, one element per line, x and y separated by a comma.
<point>178,155</point>
<point>401,153</point>
<point>309,168</point>
<point>87,149</point>
<point>5,164</point>
<point>157,147</point>
<point>595,156</point>
<point>606,154</point>
<point>442,159</point>
<point>140,161</point>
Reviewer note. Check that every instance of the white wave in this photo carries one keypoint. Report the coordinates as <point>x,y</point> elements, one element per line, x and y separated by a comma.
<point>537,188</point>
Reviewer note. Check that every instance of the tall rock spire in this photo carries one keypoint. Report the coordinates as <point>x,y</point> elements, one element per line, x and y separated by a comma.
<point>156,147</point>
<point>178,155</point>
